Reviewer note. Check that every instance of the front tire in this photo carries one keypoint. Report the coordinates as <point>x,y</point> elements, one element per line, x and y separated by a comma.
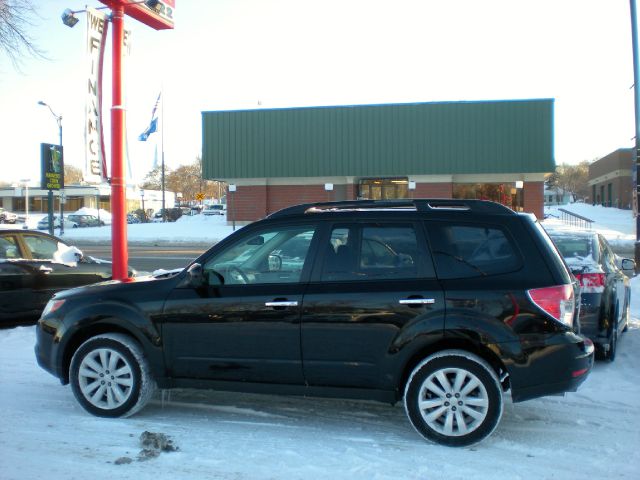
<point>453,398</point>
<point>110,376</point>
<point>610,355</point>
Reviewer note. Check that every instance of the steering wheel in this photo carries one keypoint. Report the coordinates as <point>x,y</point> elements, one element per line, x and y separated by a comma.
<point>237,275</point>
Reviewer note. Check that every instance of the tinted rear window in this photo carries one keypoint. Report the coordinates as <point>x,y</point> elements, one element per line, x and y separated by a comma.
<point>470,250</point>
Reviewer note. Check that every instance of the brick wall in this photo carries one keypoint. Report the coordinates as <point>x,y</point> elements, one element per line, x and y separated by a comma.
<point>247,204</point>
<point>281,196</point>
<point>432,190</point>
<point>534,198</point>
<point>250,203</point>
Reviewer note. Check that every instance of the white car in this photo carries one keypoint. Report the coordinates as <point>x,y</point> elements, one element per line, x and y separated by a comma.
<point>7,217</point>
<point>217,209</point>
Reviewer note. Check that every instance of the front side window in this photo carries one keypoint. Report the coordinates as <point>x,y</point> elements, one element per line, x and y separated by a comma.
<point>275,255</point>
<point>8,248</point>
<point>373,252</point>
<point>464,251</point>
<point>41,247</point>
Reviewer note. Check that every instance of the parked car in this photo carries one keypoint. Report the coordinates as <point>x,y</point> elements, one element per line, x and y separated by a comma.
<point>196,209</point>
<point>217,209</point>
<point>172,215</point>
<point>442,304</point>
<point>85,220</point>
<point>34,266</point>
<point>606,292</point>
<point>7,217</point>
<point>43,224</point>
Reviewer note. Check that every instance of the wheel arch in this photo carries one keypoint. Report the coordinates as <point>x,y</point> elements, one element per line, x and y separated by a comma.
<point>108,325</point>
<point>482,351</point>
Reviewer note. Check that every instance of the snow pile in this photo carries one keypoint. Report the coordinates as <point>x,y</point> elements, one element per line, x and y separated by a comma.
<point>616,225</point>
<point>67,255</point>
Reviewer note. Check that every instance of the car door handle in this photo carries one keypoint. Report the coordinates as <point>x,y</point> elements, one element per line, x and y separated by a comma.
<point>45,270</point>
<point>417,301</point>
<point>281,303</point>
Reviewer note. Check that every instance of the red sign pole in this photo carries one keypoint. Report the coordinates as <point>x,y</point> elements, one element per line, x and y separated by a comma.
<point>119,250</point>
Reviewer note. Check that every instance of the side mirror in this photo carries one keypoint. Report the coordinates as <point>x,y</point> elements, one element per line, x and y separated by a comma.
<point>195,276</point>
<point>628,264</point>
<point>275,263</point>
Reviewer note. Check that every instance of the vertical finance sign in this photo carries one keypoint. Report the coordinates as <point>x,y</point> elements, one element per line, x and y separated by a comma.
<point>95,162</point>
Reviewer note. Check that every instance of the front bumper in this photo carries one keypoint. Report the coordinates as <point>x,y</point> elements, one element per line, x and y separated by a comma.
<point>47,348</point>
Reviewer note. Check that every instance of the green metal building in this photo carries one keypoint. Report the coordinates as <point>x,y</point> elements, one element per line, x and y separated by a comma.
<point>498,150</point>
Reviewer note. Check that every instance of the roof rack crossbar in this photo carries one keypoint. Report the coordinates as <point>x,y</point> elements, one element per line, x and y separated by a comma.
<point>419,204</point>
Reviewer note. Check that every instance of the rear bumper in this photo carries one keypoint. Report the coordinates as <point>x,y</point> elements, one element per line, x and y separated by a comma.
<point>558,366</point>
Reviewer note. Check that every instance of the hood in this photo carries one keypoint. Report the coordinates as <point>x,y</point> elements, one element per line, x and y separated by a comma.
<point>127,287</point>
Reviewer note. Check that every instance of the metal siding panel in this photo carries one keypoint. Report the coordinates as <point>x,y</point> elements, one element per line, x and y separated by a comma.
<point>474,137</point>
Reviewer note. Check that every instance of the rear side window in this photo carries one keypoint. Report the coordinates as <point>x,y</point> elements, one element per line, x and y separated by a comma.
<point>373,252</point>
<point>466,251</point>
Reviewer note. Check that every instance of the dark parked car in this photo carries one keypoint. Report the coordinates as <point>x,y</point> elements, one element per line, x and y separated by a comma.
<point>172,214</point>
<point>85,220</point>
<point>606,292</point>
<point>34,266</point>
<point>444,304</point>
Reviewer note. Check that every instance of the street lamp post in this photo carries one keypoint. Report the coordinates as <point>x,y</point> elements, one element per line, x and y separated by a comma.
<point>636,104</point>
<point>144,212</point>
<point>59,122</point>
<point>26,201</point>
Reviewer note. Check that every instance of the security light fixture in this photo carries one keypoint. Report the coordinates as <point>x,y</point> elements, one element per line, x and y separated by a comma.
<point>153,4</point>
<point>69,18</point>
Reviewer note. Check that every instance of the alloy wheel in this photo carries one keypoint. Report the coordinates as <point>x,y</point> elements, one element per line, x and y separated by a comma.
<point>453,401</point>
<point>105,378</point>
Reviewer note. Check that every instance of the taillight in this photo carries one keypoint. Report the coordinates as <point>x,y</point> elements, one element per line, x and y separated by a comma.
<point>591,282</point>
<point>557,301</point>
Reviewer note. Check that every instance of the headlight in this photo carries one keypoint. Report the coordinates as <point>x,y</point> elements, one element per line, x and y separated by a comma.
<point>52,306</point>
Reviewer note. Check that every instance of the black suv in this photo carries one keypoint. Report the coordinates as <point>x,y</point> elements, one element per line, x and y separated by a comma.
<point>444,304</point>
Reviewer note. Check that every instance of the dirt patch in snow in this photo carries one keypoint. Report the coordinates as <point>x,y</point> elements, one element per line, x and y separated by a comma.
<point>153,444</point>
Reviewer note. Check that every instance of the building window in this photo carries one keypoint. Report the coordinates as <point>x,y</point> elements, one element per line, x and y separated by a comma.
<point>383,188</point>
<point>504,193</point>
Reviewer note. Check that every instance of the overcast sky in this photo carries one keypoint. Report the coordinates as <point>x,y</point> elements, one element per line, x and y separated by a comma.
<point>238,54</point>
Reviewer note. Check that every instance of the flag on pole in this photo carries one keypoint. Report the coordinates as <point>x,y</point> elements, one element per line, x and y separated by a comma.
<point>153,125</point>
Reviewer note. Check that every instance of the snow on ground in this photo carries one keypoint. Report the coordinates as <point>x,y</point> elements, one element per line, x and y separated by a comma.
<point>187,229</point>
<point>618,226</point>
<point>44,433</point>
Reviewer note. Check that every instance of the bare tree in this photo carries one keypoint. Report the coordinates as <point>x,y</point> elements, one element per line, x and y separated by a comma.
<point>72,175</point>
<point>15,18</point>
<point>573,179</point>
<point>185,179</point>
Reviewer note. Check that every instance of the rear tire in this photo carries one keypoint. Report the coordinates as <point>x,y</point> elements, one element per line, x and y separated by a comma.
<point>110,376</point>
<point>453,398</point>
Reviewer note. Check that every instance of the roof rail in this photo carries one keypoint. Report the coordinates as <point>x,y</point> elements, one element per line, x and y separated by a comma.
<point>418,204</point>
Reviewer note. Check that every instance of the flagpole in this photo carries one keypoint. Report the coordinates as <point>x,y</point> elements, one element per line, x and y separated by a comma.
<point>164,209</point>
